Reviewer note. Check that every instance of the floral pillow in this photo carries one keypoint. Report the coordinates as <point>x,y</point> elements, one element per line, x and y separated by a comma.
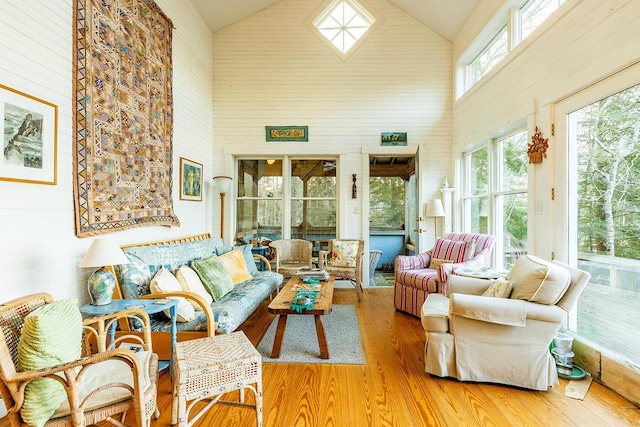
<point>343,253</point>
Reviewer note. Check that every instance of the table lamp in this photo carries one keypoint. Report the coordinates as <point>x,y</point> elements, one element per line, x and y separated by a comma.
<point>435,210</point>
<point>102,253</point>
<point>223,184</point>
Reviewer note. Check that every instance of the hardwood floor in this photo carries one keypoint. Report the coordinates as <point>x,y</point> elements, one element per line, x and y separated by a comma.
<point>392,389</point>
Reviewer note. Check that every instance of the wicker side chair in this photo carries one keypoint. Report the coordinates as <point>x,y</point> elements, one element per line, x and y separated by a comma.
<point>94,371</point>
<point>343,260</point>
<point>292,255</point>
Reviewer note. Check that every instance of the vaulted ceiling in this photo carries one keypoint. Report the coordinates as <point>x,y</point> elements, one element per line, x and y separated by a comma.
<point>445,17</point>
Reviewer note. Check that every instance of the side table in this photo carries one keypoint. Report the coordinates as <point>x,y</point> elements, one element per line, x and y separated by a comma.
<point>207,368</point>
<point>151,306</point>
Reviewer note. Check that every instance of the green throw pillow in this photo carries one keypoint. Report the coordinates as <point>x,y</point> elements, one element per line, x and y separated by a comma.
<point>213,275</point>
<point>52,335</point>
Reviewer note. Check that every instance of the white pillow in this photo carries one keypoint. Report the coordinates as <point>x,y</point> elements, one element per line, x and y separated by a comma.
<point>537,280</point>
<point>164,281</point>
<point>190,282</point>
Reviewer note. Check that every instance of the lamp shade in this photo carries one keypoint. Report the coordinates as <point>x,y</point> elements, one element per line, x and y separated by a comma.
<point>223,183</point>
<point>103,252</point>
<point>434,208</point>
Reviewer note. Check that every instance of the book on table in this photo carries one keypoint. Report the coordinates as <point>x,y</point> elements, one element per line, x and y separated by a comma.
<point>301,286</point>
<point>317,274</point>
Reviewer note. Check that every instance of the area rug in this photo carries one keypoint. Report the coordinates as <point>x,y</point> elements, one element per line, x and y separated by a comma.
<point>382,280</point>
<point>122,116</point>
<point>300,344</point>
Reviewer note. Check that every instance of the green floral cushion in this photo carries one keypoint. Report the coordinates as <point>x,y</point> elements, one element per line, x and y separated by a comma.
<point>52,334</point>
<point>343,253</point>
<point>213,275</point>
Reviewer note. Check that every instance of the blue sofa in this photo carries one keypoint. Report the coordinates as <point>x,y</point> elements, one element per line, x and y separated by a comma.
<point>229,312</point>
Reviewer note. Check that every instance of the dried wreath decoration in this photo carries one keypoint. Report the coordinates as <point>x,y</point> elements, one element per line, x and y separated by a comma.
<point>538,147</point>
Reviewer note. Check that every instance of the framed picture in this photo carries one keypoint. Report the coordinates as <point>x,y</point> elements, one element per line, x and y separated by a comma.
<point>287,133</point>
<point>394,138</point>
<point>190,180</point>
<point>30,144</point>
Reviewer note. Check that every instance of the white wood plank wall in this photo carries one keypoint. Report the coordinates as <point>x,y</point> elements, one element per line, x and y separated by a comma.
<point>38,248</point>
<point>271,69</point>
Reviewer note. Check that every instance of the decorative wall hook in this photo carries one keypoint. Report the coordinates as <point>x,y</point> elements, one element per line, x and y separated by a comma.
<point>538,147</point>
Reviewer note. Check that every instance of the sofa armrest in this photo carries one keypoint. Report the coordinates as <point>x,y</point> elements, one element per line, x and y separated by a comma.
<point>211,324</point>
<point>466,285</point>
<point>411,262</point>
<point>447,269</point>
<point>264,260</point>
<point>502,311</point>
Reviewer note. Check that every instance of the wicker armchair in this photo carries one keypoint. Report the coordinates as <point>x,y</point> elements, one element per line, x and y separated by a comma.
<point>292,255</point>
<point>343,260</point>
<point>82,378</point>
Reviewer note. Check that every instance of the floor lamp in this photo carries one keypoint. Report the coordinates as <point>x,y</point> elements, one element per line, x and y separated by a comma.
<point>223,184</point>
<point>435,210</point>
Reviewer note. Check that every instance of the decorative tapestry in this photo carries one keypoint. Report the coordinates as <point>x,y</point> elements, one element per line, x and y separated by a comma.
<point>123,110</point>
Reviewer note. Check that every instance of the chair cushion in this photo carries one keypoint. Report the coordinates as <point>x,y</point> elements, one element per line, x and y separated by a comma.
<point>165,281</point>
<point>236,266</point>
<point>537,280</point>
<point>213,275</point>
<point>499,288</point>
<point>110,371</point>
<point>453,250</point>
<point>190,282</point>
<point>435,313</point>
<point>343,253</point>
<point>44,343</point>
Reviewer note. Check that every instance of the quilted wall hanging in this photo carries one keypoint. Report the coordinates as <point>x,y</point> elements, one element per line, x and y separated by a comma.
<point>123,110</point>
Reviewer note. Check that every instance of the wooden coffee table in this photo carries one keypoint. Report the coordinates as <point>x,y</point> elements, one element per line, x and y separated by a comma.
<point>281,305</point>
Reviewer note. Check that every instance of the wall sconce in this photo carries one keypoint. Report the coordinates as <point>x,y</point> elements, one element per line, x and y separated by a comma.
<point>223,184</point>
<point>354,188</point>
<point>435,210</point>
<point>271,161</point>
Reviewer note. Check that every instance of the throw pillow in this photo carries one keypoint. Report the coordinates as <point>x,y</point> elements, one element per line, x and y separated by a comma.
<point>134,279</point>
<point>537,280</point>
<point>164,281</point>
<point>52,334</point>
<point>343,253</point>
<point>436,262</point>
<point>190,282</point>
<point>453,250</point>
<point>246,252</point>
<point>236,266</point>
<point>499,288</point>
<point>214,277</point>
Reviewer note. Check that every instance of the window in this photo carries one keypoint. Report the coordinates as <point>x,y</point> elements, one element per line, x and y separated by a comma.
<point>503,33</point>
<point>306,199</point>
<point>343,24</point>
<point>533,13</point>
<point>495,195</point>
<point>488,58</point>
<point>605,139</point>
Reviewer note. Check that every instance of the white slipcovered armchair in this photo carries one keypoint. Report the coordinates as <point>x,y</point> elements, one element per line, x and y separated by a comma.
<point>501,340</point>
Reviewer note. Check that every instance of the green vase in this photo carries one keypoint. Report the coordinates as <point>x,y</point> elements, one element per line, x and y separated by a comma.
<point>101,286</point>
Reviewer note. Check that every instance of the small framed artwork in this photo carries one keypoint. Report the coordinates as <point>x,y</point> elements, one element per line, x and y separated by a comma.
<point>190,180</point>
<point>30,144</point>
<point>287,133</point>
<point>394,138</point>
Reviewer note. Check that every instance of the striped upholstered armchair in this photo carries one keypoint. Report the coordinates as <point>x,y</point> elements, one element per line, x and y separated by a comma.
<point>417,276</point>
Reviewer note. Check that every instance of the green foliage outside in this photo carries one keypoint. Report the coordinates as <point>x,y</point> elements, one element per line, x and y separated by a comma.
<point>608,154</point>
<point>386,202</point>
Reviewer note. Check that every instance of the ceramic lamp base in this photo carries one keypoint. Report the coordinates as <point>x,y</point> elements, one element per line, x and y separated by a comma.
<point>100,286</point>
